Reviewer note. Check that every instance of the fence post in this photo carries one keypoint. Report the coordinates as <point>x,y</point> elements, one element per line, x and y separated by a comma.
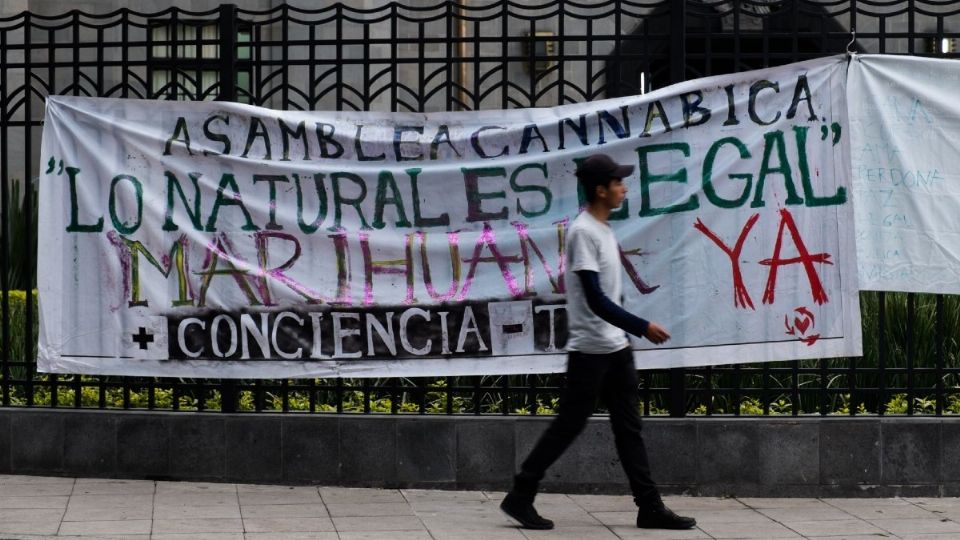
<point>227,22</point>
<point>228,52</point>
<point>677,402</point>
<point>5,349</point>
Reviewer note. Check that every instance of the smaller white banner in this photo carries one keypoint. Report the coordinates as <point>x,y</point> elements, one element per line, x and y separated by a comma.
<point>905,156</point>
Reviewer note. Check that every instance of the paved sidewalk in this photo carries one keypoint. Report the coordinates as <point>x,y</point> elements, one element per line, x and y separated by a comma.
<point>43,507</point>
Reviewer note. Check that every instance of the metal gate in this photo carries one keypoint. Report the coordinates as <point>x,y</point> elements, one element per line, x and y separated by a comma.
<point>423,55</point>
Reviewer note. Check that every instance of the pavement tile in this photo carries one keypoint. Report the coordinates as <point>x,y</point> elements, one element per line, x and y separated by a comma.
<point>93,486</point>
<point>367,509</point>
<point>291,536</point>
<point>19,479</point>
<point>598,532</point>
<point>467,521</point>
<point>164,488</point>
<point>903,527</point>
<point>186,526</point>
<point>754,502</point>
<point>748,530</point>
<point>386,523</point>
<point>813,513</point>
<point>283,510</point>
<point>548,498</point>
<point>111,501</point>
<point>29,527</point>
<point>945,506</point>
<point>279,497</point>
<point>945,503</point>
<point>616,518</point>
<point>905,511</point>
<point>33,502</point>
<point>568,515</point>
<point>392,535</point>
<point>442,507</point>
<point>106,481</point>
<point>633,533</point>
<point>702,503</point>
<point>484,513</point>
<point>360,495</point>
<point>866,502</point>
<point>416,495</point>
<point>854,537</point>
<point>197,512</point>
<point>835,528</point>
<point>288,524</point>
<point>744,515</point>
<point>197,499</point>
<point>503,533</point>
<point>455,524</point>
<point>83,513</point>
<point>30,514</point>
<point>604,503</point>
<point>105,537</point>
<point>273,488</point>
<point>541,497</point>
<point>932,500</point>
<point>37,490</point>
<point>952,514</point>
<point>197,536</point>
<point>83,537</point>
<point>82,528</point>
<point>564,505</point>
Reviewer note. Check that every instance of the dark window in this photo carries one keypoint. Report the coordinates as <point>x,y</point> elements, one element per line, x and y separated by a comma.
<point>185,61</point>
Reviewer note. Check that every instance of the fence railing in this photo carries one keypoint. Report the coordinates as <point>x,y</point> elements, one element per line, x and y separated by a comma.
<point>465,55</point>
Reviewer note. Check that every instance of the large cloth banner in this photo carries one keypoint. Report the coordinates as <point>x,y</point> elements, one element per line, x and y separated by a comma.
<point>905,154</point>
<point>224,240</point>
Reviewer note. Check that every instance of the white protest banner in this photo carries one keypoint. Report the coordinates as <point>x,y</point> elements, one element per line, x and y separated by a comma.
<point>905,157</point>
<point>224,240</point>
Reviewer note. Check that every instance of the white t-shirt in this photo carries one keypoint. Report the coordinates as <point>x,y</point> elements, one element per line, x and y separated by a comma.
<point>591,245</point>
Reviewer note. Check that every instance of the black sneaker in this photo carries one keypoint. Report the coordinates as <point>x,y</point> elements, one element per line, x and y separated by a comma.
<point>661,517</point>
<point>522,510</point>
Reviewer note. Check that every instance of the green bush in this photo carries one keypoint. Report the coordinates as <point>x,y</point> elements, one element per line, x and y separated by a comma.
<point>21,270</point>
<point>735,390</point>
<point>16,350</point>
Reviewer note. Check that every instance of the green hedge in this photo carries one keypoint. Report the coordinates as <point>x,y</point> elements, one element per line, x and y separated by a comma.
<point>918,344</point>
<point>16,350</point>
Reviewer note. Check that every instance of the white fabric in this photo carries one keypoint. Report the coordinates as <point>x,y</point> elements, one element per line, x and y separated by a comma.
<point>216,239</point>
<point>905,141</point>
<point>591,245</point>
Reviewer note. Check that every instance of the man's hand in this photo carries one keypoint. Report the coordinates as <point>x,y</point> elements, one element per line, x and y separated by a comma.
<point>656,334</point>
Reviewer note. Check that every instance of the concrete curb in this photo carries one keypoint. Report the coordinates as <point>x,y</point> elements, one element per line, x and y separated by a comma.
<point>744,457</point>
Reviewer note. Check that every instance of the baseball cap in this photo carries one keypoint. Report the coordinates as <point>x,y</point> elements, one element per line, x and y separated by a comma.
<point>602,167</point>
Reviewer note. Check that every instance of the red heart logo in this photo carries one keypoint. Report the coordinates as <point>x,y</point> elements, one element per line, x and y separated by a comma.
<point>802,324</point>
<point>786,324</point>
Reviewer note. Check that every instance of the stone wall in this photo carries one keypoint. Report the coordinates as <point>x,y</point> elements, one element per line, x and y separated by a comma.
<point>765,457</point>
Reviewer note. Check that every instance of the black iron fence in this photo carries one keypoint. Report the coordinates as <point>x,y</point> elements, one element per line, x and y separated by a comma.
<point>467,55</point>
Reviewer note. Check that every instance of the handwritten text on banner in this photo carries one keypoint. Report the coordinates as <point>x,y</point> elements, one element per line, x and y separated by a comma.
<point>905,133</point>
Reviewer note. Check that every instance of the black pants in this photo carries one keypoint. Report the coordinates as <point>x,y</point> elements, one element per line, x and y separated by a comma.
<point>613,378</point>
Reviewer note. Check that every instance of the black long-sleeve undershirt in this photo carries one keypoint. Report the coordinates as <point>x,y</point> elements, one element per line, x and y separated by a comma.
<point>601,305</point>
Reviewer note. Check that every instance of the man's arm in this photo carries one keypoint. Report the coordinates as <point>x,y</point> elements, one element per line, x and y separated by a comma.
<point>607,310</point>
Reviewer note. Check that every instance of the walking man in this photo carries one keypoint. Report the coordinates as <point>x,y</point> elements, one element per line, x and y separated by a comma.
<point>599,362</point>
